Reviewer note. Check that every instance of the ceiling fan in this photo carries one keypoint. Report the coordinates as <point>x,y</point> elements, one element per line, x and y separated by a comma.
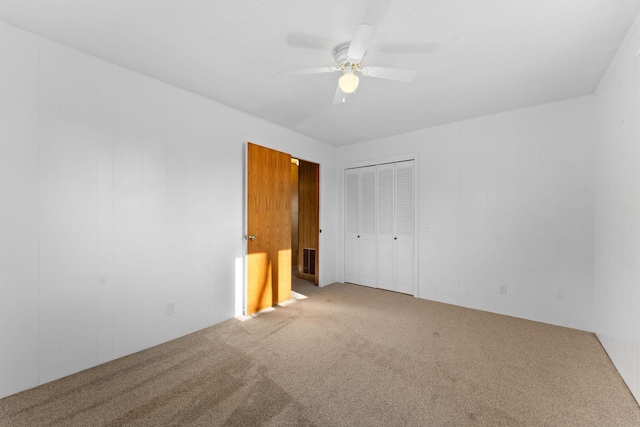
<point>348,56</point>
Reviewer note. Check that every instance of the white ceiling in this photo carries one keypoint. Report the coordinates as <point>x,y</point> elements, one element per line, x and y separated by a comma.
<point>474,57</point>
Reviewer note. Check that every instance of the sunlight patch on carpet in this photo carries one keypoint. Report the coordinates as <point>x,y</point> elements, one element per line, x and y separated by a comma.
<point>297,296</point>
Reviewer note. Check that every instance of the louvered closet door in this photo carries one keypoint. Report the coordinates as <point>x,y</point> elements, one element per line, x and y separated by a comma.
<point>404,222</point>
<point>367,220</point>
<point>352,189</point>
<point>379,226</point>
<point>385,190</point>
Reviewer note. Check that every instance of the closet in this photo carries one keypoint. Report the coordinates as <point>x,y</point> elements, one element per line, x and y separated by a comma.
<point>379,226</point>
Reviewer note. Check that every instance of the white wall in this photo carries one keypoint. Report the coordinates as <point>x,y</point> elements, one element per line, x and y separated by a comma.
<point>119,194</point>
<point>507,200</point>
<point>617,213</point>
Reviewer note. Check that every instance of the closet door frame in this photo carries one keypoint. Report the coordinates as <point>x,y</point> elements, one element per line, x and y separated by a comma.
<point>416,203</point>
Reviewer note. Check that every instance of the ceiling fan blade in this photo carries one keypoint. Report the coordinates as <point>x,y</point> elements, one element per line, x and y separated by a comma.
<point>359,44</point>
<point>396,74</point>
<point>314,70</point>
<point>408,48</point>
<point>309,41</point>
<point>340,97</point>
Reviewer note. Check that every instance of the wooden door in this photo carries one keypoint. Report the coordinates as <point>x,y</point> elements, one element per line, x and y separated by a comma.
<point>268,227</point>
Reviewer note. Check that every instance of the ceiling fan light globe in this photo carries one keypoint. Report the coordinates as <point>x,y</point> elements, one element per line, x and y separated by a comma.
<point>348,82</point>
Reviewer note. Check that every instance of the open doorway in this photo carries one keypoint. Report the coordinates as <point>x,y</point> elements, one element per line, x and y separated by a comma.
<point>305,220</point>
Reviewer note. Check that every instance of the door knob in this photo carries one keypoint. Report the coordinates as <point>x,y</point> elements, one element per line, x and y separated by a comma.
<point>250,237</point>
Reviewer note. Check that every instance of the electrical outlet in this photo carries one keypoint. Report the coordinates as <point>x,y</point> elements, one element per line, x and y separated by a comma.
<point>503,290</point>
<point>171,308</point>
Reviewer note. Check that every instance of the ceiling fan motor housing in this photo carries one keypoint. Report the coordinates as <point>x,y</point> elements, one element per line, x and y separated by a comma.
<point>340,53</point>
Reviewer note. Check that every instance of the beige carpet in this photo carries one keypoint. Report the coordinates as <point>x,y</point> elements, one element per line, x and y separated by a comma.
<point>347,356</point>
